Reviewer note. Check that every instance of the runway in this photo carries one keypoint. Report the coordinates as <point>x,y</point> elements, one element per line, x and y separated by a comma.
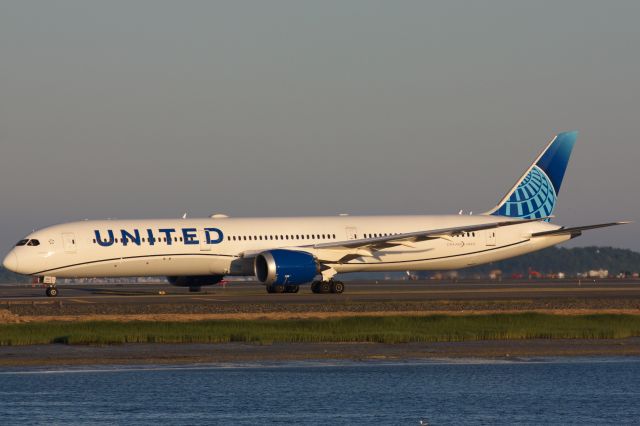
<point>356,292</point>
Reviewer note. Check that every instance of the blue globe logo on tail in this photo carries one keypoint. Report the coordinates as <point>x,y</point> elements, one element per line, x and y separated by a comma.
<point>533,198</point>
<point>536,193</point>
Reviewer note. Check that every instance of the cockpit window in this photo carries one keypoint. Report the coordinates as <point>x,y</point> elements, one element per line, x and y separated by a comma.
<point>27,242</point>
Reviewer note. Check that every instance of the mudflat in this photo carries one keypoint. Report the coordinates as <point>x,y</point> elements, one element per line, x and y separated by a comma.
<point>61,355</point>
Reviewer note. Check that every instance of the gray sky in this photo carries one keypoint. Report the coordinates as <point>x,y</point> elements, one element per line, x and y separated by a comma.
<point>134,109</point>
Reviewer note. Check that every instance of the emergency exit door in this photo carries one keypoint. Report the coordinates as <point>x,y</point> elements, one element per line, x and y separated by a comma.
<point>352,233</point>
<point>491,237</point>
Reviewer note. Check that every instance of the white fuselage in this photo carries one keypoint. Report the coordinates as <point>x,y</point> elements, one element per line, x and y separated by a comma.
<point>226,246</point>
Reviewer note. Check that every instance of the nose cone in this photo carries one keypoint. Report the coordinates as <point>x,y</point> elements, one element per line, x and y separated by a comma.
<point>11,262</point>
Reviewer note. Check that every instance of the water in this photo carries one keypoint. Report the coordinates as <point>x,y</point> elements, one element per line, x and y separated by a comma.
<point>543,391</point>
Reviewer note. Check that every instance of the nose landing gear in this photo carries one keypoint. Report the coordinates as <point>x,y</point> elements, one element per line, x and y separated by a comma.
<point>50,282</point>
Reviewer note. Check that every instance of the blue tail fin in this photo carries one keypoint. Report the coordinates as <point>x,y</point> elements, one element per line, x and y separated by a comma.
<point>536,193</point>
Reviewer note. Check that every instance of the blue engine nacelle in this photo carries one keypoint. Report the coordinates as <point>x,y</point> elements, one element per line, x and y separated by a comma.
<point>285,267</point>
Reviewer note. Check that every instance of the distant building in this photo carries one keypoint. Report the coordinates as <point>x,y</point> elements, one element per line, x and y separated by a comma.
<point>598,273</point>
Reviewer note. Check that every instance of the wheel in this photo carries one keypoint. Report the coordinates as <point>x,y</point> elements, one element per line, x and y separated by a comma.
<point>315,287</point>
<point>52,291</point>
<point>278,288</point>
<point>269,289</point>
<point>325,287</point>
<point>337,287</point>
<point>292,289</point>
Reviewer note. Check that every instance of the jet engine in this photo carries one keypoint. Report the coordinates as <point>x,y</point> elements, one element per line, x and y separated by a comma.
<point>195,282</point>
<point>285,267</point>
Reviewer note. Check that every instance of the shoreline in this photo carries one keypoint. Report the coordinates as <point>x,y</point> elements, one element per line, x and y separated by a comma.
<point>180,354</point>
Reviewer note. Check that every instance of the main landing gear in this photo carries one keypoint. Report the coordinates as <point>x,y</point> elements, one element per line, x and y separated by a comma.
<point>331,286</point>
<point>52,291</point>
<point>283,288</point>
<point>319,287</point>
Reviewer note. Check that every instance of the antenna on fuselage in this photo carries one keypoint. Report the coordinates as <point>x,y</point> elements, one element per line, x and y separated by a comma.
<point>184,216</point>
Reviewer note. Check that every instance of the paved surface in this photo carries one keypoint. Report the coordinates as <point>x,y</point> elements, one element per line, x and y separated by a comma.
<point>359,292</point>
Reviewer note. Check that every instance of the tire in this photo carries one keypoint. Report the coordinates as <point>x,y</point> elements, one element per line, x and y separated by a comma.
<point>278,288</point>
<point>315,287</point>
<point>292,289</point>
<point>52,291</point>
<point>269,289</point>
<point>325,287</point>
<point>337,287</point>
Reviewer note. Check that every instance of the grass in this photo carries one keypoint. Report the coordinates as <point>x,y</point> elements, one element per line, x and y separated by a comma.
<point>399,329</point>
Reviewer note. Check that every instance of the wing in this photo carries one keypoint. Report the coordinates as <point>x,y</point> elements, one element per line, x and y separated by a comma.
<point>577,230</point>
<point>408,239</point>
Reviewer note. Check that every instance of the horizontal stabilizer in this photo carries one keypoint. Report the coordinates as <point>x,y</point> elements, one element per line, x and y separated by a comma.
<point>577,230</point>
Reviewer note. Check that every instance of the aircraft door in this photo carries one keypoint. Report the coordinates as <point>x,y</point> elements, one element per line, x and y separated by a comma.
<point>352,233</point>
<point>69,242</point>
<point>491,237</point>
<point>203,241</point>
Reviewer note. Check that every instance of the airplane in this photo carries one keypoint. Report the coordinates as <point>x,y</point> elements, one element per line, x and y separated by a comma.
<point>284,253</point>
